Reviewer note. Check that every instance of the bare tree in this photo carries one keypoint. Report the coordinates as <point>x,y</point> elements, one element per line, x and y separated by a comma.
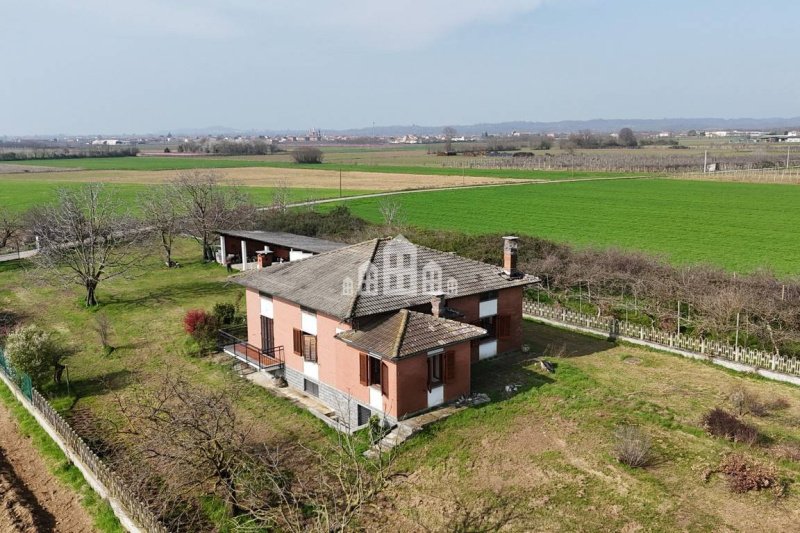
<point>192,443</point>
<point>86,237</point>
<point>208,206</point>
<point>390,210</point>
<point>280,196</point>
<point>448,133</point>
<point>10,227</point>
<point>161,208</point>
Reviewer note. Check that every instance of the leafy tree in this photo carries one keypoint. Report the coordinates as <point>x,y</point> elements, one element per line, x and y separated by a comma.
<point>35,352</point>
<point>627,138</point>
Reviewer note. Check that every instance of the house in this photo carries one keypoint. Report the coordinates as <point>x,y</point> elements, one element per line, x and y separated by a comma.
<point>262,248</point>
<point>382,327</point>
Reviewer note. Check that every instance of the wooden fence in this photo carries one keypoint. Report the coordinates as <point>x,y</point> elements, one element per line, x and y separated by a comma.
<point>702,347</point>
<point>129,509</point>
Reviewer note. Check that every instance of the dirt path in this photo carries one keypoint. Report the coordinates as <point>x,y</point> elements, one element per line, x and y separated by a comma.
<point>31,499</point>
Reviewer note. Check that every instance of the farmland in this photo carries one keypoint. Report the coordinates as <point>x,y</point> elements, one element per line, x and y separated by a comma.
<point>433,166</point>
<point>739,226</point>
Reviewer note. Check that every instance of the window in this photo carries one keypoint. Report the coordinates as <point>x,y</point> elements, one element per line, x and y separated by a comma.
<point>407,281</point>
<point>441,368</point>
<point>393,281</point>
<point>373,371</point>
<point>393,261</point>
<point>305,345</point>
<point>363,415</point>
<point>489,323</point>
<point>489,295</point>
<point>311,388</point>
<point>435,369</point>
<point>407,260</point>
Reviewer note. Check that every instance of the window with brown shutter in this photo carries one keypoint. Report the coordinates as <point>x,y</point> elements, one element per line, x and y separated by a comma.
<point>310,348</point>
<point>503,327</point>
<point>297,341</point>
<point>363,368</point>
<point>449,366</point>
<point>384,379</point>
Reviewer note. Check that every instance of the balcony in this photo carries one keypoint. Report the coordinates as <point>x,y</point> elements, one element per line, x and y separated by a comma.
<point>233,341</point>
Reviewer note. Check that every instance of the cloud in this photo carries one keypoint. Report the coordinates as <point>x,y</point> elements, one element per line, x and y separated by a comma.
<point>392,25</point>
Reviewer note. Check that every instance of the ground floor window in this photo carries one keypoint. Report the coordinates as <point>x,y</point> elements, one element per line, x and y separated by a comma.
<point>363,415</point>
<point>310,387</point>
<point>434,369</point>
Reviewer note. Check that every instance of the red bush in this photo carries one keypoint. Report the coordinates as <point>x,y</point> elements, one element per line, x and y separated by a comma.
<point>199,324</point>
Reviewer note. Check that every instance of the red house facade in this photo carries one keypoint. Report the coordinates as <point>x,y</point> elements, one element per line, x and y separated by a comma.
<point>384,327</point>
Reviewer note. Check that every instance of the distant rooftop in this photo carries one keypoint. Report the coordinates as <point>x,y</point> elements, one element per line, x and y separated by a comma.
<point>288,240</point>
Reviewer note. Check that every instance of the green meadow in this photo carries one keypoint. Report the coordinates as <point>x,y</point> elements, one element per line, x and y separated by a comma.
<point>738,226</point>
<point>22,194</point>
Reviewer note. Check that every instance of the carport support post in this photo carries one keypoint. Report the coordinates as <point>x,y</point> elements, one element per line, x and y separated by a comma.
<point>222,252</point>
<point>244,255</point>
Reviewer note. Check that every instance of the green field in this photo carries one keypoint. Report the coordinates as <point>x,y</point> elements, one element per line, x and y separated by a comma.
<point>21,194</point>
<point>739,226</point>
<point>184,163</point>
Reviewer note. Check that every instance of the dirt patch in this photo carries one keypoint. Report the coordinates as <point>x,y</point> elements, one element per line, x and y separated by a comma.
<point>271,177</point>
<point>33,500</point>
<point>9,168</point>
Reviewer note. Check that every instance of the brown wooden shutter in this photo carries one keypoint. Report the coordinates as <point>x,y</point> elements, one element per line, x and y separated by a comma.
<point>297,341</point>
<point>310,348</point>
<point>449,366</point>
<point>363,367</point>
<point>384,379</point>
<point>503,327</point>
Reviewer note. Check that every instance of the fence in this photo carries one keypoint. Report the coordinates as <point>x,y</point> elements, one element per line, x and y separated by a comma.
<point>133,514</point>
<point>614,328</point>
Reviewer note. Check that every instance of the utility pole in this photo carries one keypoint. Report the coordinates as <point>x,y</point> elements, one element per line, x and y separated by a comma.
<point>705,163</point>
<point>340,183</point>
<point>736,342</point>
<point>788,150</point>
<point>679,317</point>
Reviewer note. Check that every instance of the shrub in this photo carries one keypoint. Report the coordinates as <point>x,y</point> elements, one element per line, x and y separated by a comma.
<point>202,327</point>
<point>789,450</point>
<point>34,351</point>
<point>744,475</point>
<point>224,313</point>
<point>721,423</point>
<point>632,447</point>
<point>307,155</point>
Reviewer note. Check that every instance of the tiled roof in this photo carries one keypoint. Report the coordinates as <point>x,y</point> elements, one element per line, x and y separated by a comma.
<point>408,332</point>
<point>370,278</point>
<point>288,240</point>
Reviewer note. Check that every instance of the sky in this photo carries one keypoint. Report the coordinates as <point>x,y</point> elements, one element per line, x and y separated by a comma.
<point>95,66</point>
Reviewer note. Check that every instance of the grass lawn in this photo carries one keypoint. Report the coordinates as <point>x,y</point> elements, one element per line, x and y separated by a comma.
<point>24,193</point>
<point>738,226</point>
<point>146,315</point>
<point>542,458</point>
<point>182,163</point>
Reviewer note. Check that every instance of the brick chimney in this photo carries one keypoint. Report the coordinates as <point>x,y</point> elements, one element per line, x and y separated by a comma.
<point>510,245</point>
<point>264,258</point>
<point>437,304</point>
